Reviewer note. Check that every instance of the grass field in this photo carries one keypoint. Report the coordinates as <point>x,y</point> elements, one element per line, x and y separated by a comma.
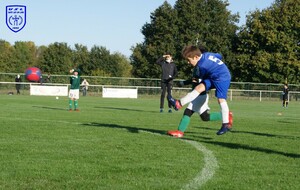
<point>121,144</point>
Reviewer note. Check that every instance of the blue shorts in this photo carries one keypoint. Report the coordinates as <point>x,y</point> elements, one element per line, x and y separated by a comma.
<point>220,86</point>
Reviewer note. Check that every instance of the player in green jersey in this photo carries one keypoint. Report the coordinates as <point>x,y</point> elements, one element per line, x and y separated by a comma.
<point>74,89</point>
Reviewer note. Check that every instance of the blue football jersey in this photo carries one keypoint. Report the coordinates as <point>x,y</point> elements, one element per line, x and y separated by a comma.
<point>210,66</point>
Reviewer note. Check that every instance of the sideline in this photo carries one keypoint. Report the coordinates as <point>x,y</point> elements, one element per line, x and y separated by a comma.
<point>207,172</point>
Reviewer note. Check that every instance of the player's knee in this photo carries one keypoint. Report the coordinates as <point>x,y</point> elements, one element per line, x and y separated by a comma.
<point>200,87</point>
<point>188,112</point>
<point>205,116</point>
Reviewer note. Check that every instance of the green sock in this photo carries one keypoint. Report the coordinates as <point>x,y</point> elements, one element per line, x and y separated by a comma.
<point>76,104</point>
<point>70,104</point>
<point>184,123</point>
<point>215,116</point>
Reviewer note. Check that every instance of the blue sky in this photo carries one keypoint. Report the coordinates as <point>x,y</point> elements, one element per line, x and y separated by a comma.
<point>114,24</point>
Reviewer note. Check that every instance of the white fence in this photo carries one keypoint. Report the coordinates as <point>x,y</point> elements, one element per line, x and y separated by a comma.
<point>97,90</point>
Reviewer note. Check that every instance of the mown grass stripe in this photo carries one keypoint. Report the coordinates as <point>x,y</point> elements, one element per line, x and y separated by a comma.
<point>200,179</point>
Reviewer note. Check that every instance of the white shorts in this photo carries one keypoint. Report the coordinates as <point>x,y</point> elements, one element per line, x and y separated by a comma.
<point>200,104</point>
<point>74,94</point>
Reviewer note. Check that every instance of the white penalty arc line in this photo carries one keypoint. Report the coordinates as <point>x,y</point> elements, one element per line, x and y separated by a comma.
<point>210,165</point>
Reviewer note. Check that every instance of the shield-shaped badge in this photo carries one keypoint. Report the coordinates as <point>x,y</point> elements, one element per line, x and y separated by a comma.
<point>15,17</point>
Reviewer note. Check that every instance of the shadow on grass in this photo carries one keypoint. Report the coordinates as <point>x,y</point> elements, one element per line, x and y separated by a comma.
<point>125,109</point>
<point>288,122</point>
<point>49,108</point>
<point>246,147</point>
<point>256,133</point>
<point>192,136</point>
<point>267,134</point>
<point>137,129</point>
<point>129,129</point>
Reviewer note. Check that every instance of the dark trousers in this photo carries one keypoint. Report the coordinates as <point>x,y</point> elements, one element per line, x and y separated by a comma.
<point>84,91</point>
<point>18,87</point>
<point>285,101</point>
<point>165,87</point>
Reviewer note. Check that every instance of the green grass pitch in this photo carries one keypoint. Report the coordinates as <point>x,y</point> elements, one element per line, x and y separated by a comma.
<point>121,144</point>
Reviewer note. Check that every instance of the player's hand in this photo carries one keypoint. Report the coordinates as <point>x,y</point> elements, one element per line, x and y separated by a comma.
<point>196,80</point>
<point>71,71</point>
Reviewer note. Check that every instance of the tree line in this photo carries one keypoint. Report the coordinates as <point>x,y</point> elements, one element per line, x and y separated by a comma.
<point>265,49</point>
<point>59,58</point>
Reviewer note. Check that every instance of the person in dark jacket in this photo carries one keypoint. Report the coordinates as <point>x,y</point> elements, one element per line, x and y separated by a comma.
<point>285,95</point>
<point>169,73</point>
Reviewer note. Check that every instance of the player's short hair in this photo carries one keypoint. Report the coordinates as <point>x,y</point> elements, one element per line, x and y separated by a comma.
<point>191,51</point>
<point>202,48</point>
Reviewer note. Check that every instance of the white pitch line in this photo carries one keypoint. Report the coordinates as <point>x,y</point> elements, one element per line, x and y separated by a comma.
<point>210,166</point>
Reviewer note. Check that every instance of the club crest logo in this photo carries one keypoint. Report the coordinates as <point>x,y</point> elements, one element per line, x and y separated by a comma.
<point>15,17</point>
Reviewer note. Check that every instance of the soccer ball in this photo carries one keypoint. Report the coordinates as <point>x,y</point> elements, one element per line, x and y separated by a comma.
<point>33,74</point>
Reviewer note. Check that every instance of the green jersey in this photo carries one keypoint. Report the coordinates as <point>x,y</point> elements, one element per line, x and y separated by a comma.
<point>75,80</point>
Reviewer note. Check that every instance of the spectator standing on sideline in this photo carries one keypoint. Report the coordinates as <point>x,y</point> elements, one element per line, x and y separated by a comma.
<point>285,95</point>
<point>18,85</point>
<point>41,80</point>
<point>48,79</point>
<point>169,72</point>
<point>85,85</point>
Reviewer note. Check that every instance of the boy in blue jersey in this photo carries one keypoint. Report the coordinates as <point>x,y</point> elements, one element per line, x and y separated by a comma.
<point>212,74</point>
<point>198,105</point>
